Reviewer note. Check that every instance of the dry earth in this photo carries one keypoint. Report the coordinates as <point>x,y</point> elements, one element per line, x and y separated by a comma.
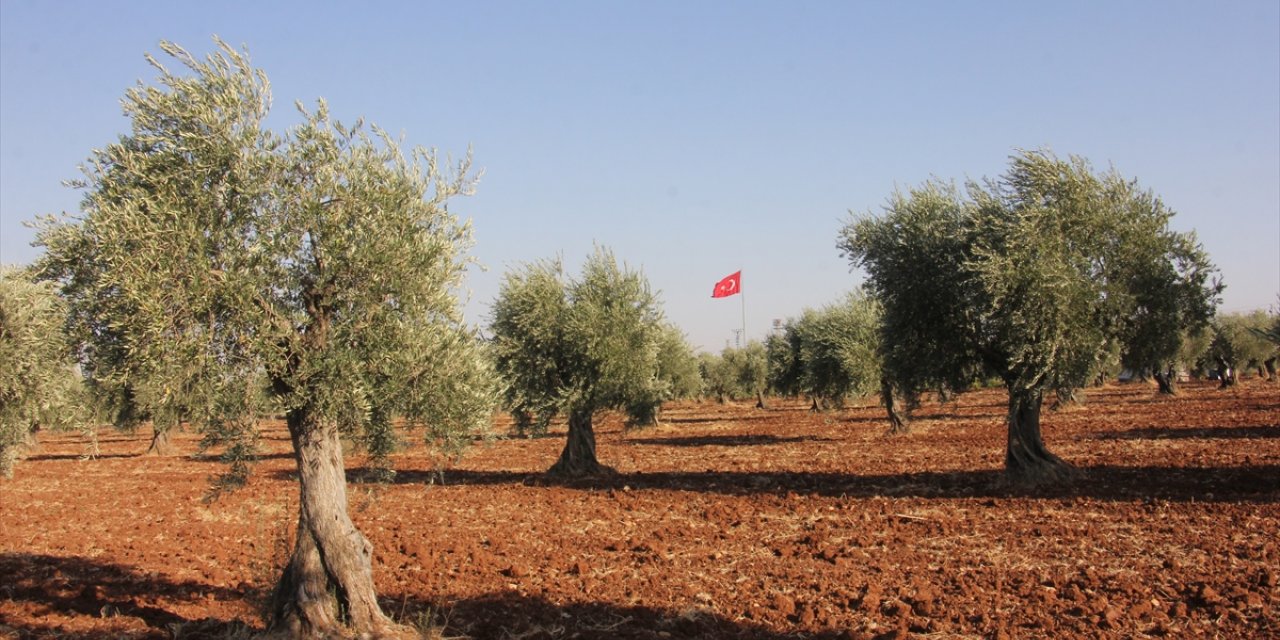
<point>726,522</point>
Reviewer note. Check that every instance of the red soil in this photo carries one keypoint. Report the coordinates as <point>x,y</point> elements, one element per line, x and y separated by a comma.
<point>726,522</point>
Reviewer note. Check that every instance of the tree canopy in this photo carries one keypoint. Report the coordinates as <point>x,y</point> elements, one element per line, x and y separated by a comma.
<point>736,372</point>
<point>1243,341</point>
<point>214,258</point>
<point>677,377</point>
<point>39,386</point>
<point>577,346</point>
<point>1030,277</point>
<point>829,354</point>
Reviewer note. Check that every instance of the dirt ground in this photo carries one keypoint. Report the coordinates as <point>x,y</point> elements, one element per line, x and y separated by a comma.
<point>725,522</point>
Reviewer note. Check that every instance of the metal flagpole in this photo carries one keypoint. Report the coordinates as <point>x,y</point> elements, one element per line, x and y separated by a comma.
<point>744,312</point>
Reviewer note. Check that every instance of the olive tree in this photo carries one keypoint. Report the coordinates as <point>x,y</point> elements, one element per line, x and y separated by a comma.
<point>39,386</point>
<point>576,346</point>
<point>736,372</point>
<point>320,264</point>
<point>1270,332</point>
<point>677,376</point>
<point>782,352</point>
<point>1031,277</point>
<point>750,365</point>
<point>1164,285</point>
<point>830,353</point>
<point>1240,341</point>
<point>718,377</point>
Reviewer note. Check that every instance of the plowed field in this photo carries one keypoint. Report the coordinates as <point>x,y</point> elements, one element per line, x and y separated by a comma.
<point>725,522</point>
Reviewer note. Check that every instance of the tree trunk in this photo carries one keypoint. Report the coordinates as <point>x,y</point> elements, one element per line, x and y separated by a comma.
<point>644,415</point>
<point>579,456</point>
<point>1026,460</point>
<point>160,445</point>
<point>524,423</point>
<point>1166,381</point>
<point>1270,364</point>
<point>760,403</point>
<point>1064,398</point>
<point>1226,374</point>
<point>8,458</point>
<point>327,587</point>
<point>897,424</point>
<point>30,442</point>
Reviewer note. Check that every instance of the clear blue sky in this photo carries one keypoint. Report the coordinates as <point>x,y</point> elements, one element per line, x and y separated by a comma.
<point>699,138</point>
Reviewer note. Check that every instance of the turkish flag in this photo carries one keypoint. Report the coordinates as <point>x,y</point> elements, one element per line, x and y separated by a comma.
<point>730,285</point>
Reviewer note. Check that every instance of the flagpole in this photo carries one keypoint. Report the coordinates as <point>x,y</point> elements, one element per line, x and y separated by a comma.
<point>744,318</point>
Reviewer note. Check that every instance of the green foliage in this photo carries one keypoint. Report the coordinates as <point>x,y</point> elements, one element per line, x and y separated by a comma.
<point>785,370</point>
<point>1031,277</point>
<point>677,377</point>
<point>1241,341</point>
<point>750,365</point>
<point>578,346</point>
<point>718,378</point>
<point>1195,346</point>
<point>917,258</point>
<point>1039,277</point>
<point>39,387</point>
<point>829,354</point>
<point>736,372</point>
<point>1270,331</point>
<point>678,366</point>
<point>214,259</point>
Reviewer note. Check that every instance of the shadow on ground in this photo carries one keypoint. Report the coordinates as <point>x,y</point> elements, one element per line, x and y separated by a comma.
<point>1199,433</point>
<point>1259,483</point>
<point>510,615</point>
<point>116,597</point>
<point>725,440</point>
<point>78,586</point>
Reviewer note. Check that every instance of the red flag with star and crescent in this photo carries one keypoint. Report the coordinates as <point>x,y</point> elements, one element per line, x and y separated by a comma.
<point>730,285</point>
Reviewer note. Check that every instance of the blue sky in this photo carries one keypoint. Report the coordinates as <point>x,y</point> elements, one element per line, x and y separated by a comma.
<point>699,138</point>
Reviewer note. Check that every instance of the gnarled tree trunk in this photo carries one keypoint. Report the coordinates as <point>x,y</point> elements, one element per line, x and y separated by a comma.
<point>327,587</point>
<point>817,406</point>
<point>160,445</point>
<point>1166,380</point>
<point>897,424</point>
<point>760,403</point>
<point>579,456</point>
<point>1226,374</point>
<point>1026,459</point>
<point>1065,397</point>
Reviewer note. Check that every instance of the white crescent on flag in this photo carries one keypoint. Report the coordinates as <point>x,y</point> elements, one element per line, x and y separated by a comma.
<point>728,286</point>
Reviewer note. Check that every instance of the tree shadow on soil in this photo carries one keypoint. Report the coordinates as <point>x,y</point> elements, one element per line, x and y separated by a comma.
<point>80,456</point>
<point>751,416</point>
<point>725,441</point>
<point>216,457</point>
<point>1258,483</point>
<point>1199,433</point>
<point>529,617</point>
<point>78,586</point>
<point>116,598</point>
